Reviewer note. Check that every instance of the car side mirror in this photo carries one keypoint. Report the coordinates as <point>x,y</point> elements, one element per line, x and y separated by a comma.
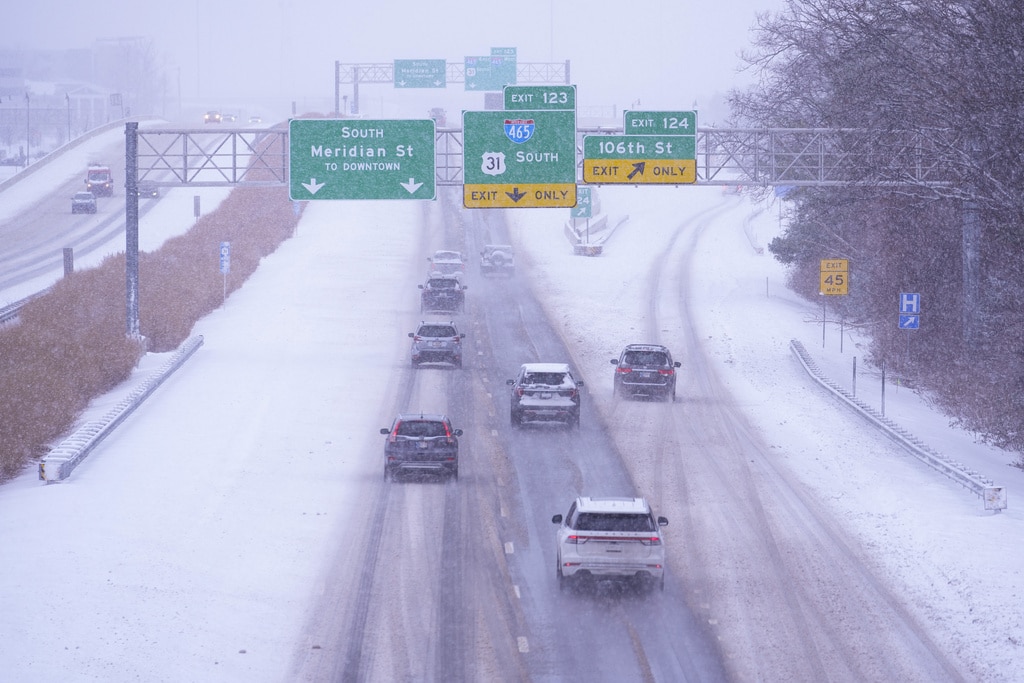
<point>678,364</point>
<point>579,383</point>
<point>420,286</point>
<point>662,521</point>
<point>510,382</point>
<point>385,430</point>
<point>412,334</point>
<point>557,519</point>
<point>462,336</point>
<point>465,286</point>
<point>457,432</point>
<point>615,361</point>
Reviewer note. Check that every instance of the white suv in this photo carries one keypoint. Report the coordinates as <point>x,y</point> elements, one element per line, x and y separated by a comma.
<point>610,538</point>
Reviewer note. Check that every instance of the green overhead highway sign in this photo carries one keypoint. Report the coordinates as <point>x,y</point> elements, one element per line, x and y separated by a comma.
<point>660,122</point>
<point>547,97</point>
<point>639,159</point>
<point>519,159</point>
<point>361,159</point>
<point>489,73</point>
<point>420,73</point>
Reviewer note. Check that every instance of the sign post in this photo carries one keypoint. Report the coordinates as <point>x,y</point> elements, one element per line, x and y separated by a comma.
<point>361,159</point>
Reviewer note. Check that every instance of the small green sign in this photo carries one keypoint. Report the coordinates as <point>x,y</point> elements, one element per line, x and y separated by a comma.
<point>660,122</point>
<point>361,159</point>
<point>420,73</point>
<point>547,97</point>
<point>584,207</point>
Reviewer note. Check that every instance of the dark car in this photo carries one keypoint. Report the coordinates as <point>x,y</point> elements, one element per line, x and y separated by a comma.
<point>147,188</point>
<point>645,370</point>
<point>545,392</point>
<point>83,202</point>
<point>424,442</point>
<point>437,342</point>
<point>443,293</point>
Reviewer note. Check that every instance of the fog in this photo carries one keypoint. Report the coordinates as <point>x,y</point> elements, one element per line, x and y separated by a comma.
<point>662,54</point>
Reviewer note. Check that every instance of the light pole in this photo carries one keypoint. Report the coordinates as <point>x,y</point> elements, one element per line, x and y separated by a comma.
<point>28,132</point>
<point>67,98</point>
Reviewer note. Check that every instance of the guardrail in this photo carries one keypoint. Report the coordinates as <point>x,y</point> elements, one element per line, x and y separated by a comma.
<point>994,496</point>
<point>59,462</point>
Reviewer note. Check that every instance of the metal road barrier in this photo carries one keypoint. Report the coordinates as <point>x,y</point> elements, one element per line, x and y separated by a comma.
<point>994,496</point>
<point>59,462</point>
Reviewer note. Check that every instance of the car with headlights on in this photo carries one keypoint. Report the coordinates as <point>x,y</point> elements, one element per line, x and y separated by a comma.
<point>545,392</point>
<point>422,442</point>
<point>616,538</point>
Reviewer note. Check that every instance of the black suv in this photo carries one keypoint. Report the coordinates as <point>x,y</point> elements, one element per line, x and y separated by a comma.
<point>437,342</point>
<point>645,370</point>
<point>545,392</point>
<point>419,441</point>
<point>443,293</point>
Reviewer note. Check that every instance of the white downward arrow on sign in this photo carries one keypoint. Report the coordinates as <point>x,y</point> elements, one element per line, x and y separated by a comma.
<point>412,185</point>
<point>313,185</point>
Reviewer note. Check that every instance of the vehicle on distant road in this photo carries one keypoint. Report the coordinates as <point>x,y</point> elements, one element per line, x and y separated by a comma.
<point>446,262</point>
<point>610,538</point>
<point>147,188</point>
<point>545,392</point>
<point>437,342</point>
<point>83,202</point>
<point>99,180</point>
<point>497,259</point>
<point>212,116</point>
<point>421,442</point>
<point>645,370</point>
<point>443,293</point>
<point>228,118</point>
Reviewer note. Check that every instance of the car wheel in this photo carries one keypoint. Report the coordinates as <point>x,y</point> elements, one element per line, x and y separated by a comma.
<point>458,362</point>
<point>574,421</point>
<point>516,419</point>
<point>387,473</point>
<point>559,575</point>
<point>455,473</point>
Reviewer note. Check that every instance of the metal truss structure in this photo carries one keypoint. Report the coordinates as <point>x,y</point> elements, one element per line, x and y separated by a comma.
<point>455,72</point>
<point>816,157</point>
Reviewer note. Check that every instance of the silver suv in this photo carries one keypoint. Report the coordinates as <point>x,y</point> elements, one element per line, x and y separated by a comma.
<point>610,538</point>
<point>497,259</point>
<point>545,392</point>
<point>437,342</point>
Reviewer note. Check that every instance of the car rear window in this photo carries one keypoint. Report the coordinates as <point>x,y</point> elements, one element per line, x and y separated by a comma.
<point>646,358</point>
<point>551,379</point>
<point>442,284</point>
<point>437,331</point>
<point>591,521</point>
<point>421,428</point>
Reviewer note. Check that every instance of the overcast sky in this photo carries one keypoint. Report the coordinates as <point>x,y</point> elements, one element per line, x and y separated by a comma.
<point>664,54</point>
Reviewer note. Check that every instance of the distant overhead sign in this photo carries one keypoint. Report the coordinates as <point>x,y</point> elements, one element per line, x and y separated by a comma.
<point>361,159</point>
<point>493,72</point>
<point>421,73</point>
<point>553,97</point>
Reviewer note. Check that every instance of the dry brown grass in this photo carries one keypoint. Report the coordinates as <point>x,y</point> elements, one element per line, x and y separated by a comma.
<point>70,344</point>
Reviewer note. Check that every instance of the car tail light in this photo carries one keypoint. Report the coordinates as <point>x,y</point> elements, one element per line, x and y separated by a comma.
<point>417,338</point>
<point>456,339</point>
<point>667,373</point>
<point>622,371</point>
<point>653,540</point>
<point>519,391</point>
<point>571,393</point>
<point>576,540</point>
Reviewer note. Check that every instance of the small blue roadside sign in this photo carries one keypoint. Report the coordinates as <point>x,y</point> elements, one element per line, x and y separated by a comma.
<point>225,257</point>
<point>910,311</point>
